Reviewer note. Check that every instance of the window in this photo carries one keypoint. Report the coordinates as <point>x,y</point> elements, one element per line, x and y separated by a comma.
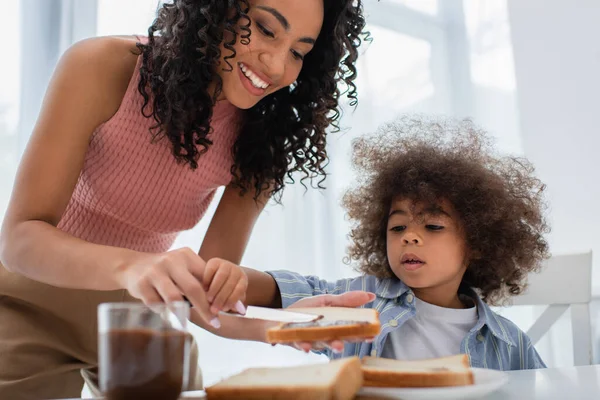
<point>132,17</point>
<point>406,61</point>
<point>425,6</point>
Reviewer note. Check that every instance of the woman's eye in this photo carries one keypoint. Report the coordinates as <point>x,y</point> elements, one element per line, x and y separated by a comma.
<point>265,31</point>
<point>297,55</point>
<point>434,227</point>
<point>399,228</point>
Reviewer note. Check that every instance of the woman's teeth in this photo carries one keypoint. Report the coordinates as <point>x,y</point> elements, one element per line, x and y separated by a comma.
<point>256,81</point>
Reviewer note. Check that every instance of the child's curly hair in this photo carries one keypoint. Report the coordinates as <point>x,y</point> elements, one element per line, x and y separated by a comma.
<point>498,200</point>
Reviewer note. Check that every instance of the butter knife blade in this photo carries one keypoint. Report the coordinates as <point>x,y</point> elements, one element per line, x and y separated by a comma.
<point>273,314</point>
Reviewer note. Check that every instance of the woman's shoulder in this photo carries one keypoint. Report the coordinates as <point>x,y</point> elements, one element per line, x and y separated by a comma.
<point>104,64</point>
<point>109,58</point>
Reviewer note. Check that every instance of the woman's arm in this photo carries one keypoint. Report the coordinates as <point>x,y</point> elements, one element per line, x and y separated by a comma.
<point>231,226</point>
<point>227,237</point>
<point>86,90</point>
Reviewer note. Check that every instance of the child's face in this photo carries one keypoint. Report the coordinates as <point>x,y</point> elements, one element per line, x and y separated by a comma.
<point>425,246</point>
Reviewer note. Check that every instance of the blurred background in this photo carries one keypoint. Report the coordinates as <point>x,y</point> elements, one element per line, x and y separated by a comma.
<point>528,71</point>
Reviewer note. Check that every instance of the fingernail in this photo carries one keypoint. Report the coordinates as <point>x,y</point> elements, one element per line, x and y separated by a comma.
<point>214,310</point>
<point>215,323</point>
<point>239,307</point>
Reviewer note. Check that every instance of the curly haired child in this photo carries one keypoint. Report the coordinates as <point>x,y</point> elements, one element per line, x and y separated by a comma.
<point>443,227</point>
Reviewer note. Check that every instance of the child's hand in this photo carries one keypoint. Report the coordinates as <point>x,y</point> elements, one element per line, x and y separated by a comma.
<point>349,299</point>
<point>337,346</point>
<point>225,284</point>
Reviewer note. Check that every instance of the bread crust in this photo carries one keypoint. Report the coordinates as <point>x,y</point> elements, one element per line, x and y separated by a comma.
<point>346,384</point>
<point>373,378</point>
<point>363,328</point>
<point>379,376</point>
<point>315,334</point>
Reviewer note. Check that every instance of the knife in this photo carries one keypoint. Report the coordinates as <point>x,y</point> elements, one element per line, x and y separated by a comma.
<point>270,314</point>
<point>273,314</point>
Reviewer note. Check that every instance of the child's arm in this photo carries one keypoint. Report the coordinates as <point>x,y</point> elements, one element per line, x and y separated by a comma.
<point>274,289</point>
<point>533,360</point>
<point>293,287</point>
<point>280,289</point>
<point>522,355</point>
<point>262,289</point>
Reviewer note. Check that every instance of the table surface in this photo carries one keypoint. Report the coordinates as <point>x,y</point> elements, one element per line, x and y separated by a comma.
<point>196,395</point>
<point>581,383</point>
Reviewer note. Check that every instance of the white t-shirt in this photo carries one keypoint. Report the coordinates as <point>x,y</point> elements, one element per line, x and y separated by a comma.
<point>433,332</point>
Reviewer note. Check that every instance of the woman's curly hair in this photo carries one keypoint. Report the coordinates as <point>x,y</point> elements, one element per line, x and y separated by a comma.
<point>285,132</point>
<point>498,199</point>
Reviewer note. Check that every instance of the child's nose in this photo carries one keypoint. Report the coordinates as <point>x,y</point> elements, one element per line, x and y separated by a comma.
<point>411,238</point>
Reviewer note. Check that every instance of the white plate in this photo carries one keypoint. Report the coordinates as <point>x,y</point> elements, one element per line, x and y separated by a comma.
<point>486,382</point>
<point>193,395</point>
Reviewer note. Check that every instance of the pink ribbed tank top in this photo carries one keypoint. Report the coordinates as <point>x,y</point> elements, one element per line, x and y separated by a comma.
<point>132,193</point>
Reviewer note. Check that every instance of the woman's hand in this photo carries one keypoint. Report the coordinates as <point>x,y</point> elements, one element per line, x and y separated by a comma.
<point>349,299</point>
<point>166,278</point>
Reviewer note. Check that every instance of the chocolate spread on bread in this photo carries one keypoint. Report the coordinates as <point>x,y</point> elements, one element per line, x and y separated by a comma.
<point>320,323</point>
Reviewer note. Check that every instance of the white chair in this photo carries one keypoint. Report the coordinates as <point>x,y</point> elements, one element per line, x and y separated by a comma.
<point>565,281</point>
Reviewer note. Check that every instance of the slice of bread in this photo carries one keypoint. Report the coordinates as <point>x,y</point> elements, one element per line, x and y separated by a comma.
<point>336,380</point>
<point>334,323</point>
<point>437,372</point>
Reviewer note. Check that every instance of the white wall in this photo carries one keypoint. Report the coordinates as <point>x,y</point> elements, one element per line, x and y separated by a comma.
<point>557,67</point>
<point>557,63</point>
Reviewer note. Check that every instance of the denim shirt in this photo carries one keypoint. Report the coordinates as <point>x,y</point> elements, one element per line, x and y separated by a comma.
<point>494,342</point>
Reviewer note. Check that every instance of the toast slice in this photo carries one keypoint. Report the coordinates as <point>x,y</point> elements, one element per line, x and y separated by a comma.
<point>437,372</point>
<point>336,380</point>
<point>331,323</point>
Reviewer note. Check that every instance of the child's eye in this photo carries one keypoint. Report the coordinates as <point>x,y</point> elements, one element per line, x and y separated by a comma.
<point>398,228</point>
<point>434,227</point>
<point>265,31</point>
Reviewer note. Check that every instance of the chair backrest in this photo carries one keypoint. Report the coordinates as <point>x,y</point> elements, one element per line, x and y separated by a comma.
<point>565,281</point>
<point>571,273</point>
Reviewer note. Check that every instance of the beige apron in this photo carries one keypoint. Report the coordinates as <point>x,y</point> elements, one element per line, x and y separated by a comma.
<point>49,339</point>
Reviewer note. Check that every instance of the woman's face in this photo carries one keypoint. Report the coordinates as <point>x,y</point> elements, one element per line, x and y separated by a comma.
<point>283,32</point>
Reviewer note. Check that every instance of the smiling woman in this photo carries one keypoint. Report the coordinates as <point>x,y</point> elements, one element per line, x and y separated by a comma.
<point>285,74</point>
<point>273,58</point>
<point>133,140</point>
